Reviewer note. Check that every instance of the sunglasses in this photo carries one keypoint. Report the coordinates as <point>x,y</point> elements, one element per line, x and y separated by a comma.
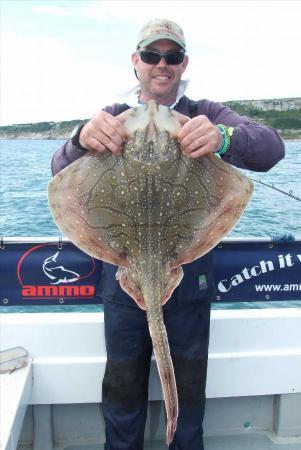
<point>152,57</point>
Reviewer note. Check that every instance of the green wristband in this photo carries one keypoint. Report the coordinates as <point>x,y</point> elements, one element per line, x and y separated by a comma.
<point>226,135</point>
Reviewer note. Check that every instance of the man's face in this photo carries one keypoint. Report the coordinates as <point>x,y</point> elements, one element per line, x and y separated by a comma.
<point>160,81</point>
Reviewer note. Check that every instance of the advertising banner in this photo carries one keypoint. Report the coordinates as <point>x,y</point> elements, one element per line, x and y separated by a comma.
<point>59,273</point>
<point>258,271</point>
<point>47,273</point>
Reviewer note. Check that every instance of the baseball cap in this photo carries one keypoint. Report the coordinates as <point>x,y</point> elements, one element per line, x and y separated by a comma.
<point>157,29</point>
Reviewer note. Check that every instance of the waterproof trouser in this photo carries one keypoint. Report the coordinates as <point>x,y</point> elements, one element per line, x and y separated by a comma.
<point>125,384</point>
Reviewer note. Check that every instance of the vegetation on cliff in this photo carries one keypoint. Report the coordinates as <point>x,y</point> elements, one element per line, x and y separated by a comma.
<point>39,130</point>
<point>286,119</point>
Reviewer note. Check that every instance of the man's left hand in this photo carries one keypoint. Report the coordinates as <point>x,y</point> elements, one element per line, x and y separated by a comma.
<point>198,137</point>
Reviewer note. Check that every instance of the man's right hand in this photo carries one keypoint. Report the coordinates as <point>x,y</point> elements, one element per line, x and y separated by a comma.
<point>103,132</point>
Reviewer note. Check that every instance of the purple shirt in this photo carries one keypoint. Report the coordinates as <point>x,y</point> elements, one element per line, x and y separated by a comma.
<point>253,146</point>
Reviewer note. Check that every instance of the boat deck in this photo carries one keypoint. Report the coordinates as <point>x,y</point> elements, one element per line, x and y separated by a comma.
<point>249,442</point>
<point>253,389</point>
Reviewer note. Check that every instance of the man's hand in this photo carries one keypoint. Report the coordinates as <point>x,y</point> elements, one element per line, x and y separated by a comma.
<point>103,132</point>
<point>198,137</point>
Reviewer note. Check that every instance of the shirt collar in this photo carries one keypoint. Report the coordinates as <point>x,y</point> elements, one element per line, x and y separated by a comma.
<point>131,97</point>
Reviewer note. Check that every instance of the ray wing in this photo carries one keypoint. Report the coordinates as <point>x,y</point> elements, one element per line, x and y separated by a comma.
<point>80,198</point>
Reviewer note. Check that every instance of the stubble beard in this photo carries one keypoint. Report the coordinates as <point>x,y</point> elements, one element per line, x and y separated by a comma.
<point>167,96</point>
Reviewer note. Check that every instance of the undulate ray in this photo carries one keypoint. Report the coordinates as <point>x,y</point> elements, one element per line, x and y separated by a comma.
<point>149,211</point>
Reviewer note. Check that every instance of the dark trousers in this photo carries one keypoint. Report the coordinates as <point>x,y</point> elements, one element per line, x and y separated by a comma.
<point>125,384</point>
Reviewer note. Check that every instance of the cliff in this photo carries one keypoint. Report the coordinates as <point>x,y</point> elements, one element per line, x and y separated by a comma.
<point>40,130</point>
<point>283,114</point>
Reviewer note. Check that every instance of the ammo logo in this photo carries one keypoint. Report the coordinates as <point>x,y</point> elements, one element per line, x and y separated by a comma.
<point>44,272</point>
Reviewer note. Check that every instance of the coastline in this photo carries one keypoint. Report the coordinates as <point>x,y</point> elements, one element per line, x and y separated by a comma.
<point>284,115</point>
<point>62,138</point>
<point>286,135</point>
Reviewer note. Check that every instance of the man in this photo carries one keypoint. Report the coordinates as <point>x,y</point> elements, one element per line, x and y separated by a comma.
<point>159,63</point>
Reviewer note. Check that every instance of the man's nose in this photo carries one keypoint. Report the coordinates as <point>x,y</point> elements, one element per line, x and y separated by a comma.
<point>162,63</point>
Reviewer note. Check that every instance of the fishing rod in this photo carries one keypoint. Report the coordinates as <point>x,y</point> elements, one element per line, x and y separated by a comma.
<point>289,193</point>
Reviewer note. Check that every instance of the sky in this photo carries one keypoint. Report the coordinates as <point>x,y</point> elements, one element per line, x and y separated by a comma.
<point>66,59</point>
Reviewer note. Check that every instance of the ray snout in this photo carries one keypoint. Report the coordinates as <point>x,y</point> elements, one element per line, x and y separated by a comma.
<point>152,119</point>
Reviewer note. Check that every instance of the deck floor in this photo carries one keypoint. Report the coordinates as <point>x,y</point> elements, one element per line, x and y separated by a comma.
<point>246,442</point>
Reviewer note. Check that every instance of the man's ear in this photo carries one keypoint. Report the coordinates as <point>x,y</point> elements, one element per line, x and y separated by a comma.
<point>185,62</point>
<point>135,59</point>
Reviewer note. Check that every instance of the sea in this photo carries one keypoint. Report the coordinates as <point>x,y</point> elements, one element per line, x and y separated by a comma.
<point>24,211</point>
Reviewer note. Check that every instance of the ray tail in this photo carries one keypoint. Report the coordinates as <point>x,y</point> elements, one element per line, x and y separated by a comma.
<point>152,293</point>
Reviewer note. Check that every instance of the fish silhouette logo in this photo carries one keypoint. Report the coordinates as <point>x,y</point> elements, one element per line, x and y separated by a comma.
<point>45,272</point>
<point>57,273</point>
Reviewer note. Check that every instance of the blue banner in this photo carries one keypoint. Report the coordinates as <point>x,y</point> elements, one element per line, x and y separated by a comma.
<point>59,273</point>
<point>47,273</point>
<point>258,271</point>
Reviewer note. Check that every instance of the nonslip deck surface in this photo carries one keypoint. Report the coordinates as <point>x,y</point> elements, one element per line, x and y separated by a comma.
<point>244,442</point>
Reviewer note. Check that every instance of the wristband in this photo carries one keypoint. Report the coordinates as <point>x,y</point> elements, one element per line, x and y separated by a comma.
<point>226,133</point>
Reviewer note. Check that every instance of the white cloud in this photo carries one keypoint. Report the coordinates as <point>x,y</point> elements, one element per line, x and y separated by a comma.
<point>237,50</point>
<point>43,79</point>
<point>243,49</point>
<point>51,9</point>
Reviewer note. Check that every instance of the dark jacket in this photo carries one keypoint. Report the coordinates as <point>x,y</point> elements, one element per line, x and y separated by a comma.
<point>254,146</point>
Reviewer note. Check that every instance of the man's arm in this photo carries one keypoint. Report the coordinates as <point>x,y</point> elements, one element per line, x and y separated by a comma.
<point>253,146</point>
<point>64,156</point>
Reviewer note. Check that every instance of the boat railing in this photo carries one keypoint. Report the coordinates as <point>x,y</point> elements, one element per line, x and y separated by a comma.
<point>252,352</point>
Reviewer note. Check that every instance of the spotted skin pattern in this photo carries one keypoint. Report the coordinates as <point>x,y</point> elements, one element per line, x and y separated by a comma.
<point>149,210</point>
